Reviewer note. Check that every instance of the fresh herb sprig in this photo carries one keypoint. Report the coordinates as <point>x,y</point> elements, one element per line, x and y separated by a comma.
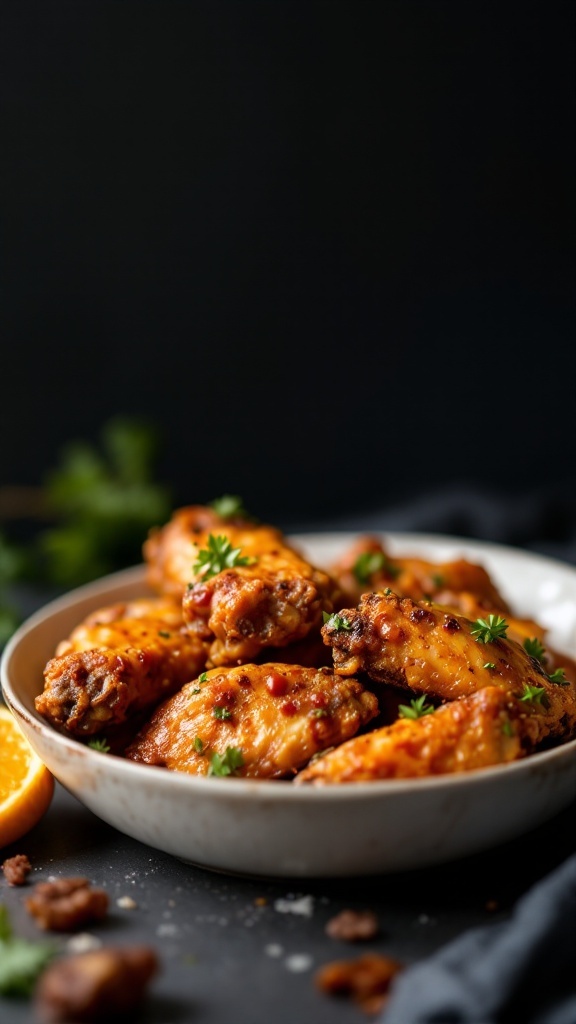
<point>534,649</point>
<point>99,744</point>
<point>21,961</point>
<point>417,708</point>
<point>219,555</point>
<point>335,621</point>
<point>487,630</point>
<point>227,763</point>
<point>369,563</point>
<point>534,695</point>
<point>230,506</point>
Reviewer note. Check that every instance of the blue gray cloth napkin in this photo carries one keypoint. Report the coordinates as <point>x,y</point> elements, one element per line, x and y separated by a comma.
<point>522,971</point>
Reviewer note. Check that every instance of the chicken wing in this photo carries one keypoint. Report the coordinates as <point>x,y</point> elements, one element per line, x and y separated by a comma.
<point>275,717</point>
<point>260,594</point>
<point>366,567</point>
<point>121,660</point>
<point>486,728</point>
<point>428,649</point>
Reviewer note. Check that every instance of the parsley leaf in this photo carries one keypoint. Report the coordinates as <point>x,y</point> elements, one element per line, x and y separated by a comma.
<point>222,713</point>
<point>229,506</point>
<point>507,728</point>
<point>21,961</point>
<point>198,745</point>
<point>320,713</point>
<point>100,745</point>
<point>335,621</point>
<point>486,630</point>
<point>219,555</point>
<point>534,648</point>
<point>438,581</point>
<point>371,562</point>
<point>203,677</point>
<point>534,694</point>
<point>416,709</point>
<point>489,664</point>
<point>558,676</point>
<point>227,763</point>
<point>164,634</point>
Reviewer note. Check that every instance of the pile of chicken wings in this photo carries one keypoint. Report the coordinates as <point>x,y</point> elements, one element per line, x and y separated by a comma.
<point>252,662</point>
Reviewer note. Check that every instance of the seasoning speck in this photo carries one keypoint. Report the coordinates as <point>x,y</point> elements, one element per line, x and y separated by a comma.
<point>303,905</point>
<point>298,962</point>
<point>126,903</point>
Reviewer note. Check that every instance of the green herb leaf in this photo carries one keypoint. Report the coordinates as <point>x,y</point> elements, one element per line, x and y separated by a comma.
<point>485,631</point>
<point>320,713</point>
<point>222,713</point>
<point>230,506</point>
<point>198,745</point>
<point>371,562</point>
<point>227,763</point>
<point>219,555</point>
<point>21,961</point>
<point>438,581</point>
<point>203,677</point>
<point>534,648</point>
<point>489,664</point>
<point>559,677</point>
<point>416,709</point>
<point>100,745</point>
<point>164,634</point>
<point>534,694</point>
<point>335,621</point>
<point>507,728</point>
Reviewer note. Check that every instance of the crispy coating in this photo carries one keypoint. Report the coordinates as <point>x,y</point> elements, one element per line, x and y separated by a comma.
<point>414,577</point>
<point>278,715</point>
<point>120,661</point>
<point>66,904</point>
<point>95,986</point>
<point>487,728</point>
<point>16,869</point>
<point>366,979</point>
<point>428,649</point>
<point>276,600</point>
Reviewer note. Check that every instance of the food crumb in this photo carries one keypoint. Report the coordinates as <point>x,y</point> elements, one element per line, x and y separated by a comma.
<point>273,949</point>
<point>366,979</point>
<point>260,901</point>
<point>66,903</point>
<point>353,926</point>
<point>83,942</point>
<point>16,869</point>
<point>303,905</point>
<point>126,903</point>
<point>298,962</point>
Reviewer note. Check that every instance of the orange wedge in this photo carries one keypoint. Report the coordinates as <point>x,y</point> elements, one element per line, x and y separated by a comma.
<point>26,785</point>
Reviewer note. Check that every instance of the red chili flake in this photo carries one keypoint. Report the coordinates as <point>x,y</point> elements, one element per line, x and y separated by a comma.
<point>318,700</point>
<point>289,708</point>
<point>276,683</point>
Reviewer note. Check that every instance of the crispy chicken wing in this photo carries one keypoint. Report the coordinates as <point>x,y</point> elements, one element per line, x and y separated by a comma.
<point>486,728</point>
<point>428,649</point>
<point>366,567</point>
<point>121,660</point>
<point>277,715</point>
<point>268,598</point>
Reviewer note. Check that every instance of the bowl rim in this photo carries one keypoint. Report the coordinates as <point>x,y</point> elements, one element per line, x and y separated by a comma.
<point>269,789</point>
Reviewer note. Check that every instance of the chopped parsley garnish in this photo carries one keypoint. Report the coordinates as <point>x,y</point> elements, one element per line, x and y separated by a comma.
<point>489,664</point>
<point>226,763</point>
<point>203,677</point>
<point>387,591</point>
<point>534,694</point>
<point>416,708</point>
<point>507,728</point>
<point>438,581</point>
<point>230,506</point>
<point>21,961</point>
<point>492,628</point>
<point>164,633</point>
<point>221,713</point>
<point>198,745</point>
<point>219,555</point>
<point>320,713</point>
<point>335,621</point>
<point>534,648</point>
<point>558,676</point>
<point>100,745</point>
<point>371,562</point>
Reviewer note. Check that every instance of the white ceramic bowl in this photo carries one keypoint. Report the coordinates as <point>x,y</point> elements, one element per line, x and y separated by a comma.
<point>273,828</point>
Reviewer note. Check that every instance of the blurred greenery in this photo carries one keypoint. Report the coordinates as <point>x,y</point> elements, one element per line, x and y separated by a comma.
<point>100,503</point>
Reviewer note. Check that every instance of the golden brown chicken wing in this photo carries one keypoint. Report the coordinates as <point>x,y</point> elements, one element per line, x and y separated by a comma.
<point>244,587</point>
<point>119,661</point>
<point>428,649</point>
<point>366,567</point>
<point>261,721</point>
<point>486,728</point>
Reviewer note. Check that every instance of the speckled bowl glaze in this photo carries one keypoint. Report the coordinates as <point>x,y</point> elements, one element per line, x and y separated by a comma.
<point>276,829</point>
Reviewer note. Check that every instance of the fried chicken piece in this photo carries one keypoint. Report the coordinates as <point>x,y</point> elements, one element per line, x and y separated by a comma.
<point>103,984</point>
<point>366,567</point>
<point>429,649</point>
<point>271,598</point>
<point>487,728</point>
<point>277,715</point>
<point>121,660</point>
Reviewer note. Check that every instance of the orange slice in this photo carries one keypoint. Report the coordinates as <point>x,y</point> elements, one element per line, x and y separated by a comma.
<point>26,785</point>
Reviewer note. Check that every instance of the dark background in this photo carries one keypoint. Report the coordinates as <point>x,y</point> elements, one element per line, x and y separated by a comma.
<point>327,247</point>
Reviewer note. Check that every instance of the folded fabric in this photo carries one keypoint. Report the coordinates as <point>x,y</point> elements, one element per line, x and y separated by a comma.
<point>521,971</point>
